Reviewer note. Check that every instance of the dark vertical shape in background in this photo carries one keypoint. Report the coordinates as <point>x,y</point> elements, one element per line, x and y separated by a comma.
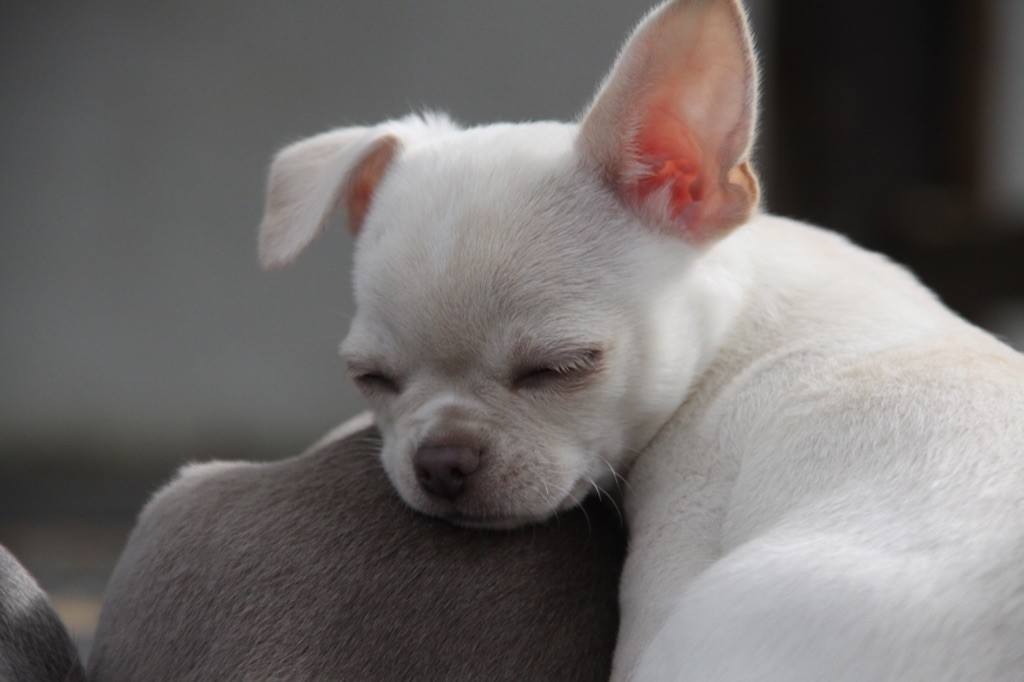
<point>877,134</point>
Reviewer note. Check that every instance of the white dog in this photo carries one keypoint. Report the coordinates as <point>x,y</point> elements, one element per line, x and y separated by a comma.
<point>825,466</point>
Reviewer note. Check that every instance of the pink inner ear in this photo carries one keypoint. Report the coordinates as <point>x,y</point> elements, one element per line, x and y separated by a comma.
<point>363,181</point>
<point>673,124</point>
<point>671,157</point>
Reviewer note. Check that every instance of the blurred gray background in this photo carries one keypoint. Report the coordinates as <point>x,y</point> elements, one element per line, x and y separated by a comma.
<point>136,331</point>
<point>135,138</point>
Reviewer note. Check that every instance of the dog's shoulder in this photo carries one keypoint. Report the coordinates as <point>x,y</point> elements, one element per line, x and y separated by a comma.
<point>224,538</point>
<point>221,494</point>
<point>219,497</point>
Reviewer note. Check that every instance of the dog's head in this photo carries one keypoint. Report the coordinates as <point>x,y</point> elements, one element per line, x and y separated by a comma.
<point>527,315</point>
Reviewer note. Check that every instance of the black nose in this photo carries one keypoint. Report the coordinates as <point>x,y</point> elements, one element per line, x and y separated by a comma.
<point>442,470</point>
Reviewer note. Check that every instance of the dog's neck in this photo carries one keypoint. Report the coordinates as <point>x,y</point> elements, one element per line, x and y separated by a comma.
<point>766,299</point>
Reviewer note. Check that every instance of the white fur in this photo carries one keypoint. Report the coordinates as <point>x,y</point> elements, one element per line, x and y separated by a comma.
<point>824,466</point>
<point>849,504</point>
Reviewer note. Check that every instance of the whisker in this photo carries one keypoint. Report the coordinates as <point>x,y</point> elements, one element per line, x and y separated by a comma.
<point>622,519</point>
<point>611,498</point>
<point>590,529</point>
<point>616,476</point>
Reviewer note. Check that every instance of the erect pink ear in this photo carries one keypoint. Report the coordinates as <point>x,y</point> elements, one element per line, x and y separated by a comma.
<point>672,126</point>
<point>310,179</point>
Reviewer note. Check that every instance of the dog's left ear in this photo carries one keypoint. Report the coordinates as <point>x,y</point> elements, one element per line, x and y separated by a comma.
<point>311,179</point>
<point>672,126</point>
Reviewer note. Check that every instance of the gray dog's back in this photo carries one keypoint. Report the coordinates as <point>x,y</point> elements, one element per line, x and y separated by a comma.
<point>312,568</point>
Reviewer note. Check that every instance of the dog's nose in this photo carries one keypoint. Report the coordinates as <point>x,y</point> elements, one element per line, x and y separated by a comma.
<point>442,470</point>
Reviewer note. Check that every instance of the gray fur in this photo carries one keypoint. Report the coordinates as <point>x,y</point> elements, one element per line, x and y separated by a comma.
<point>312,568</point>
<point>34,644</point>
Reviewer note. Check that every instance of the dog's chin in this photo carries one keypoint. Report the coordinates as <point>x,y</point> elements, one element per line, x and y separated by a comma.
<point>494,522</point>
<point>504,520</point>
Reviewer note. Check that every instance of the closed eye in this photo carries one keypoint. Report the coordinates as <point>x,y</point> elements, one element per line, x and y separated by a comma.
<point>565,371</point>
<point>373,381</point>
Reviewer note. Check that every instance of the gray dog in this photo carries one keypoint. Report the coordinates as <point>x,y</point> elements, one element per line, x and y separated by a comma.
<point>312,568</point>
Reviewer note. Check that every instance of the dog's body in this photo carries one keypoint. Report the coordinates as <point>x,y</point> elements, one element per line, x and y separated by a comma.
<point>842,494</point>
<point>826,466</point>
<point>309,568</point>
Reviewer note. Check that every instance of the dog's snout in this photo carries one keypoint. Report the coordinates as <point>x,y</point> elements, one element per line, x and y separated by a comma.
<point>442,470</point>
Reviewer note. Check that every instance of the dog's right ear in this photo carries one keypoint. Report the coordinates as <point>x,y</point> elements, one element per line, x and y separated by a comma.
<point>311,179</point>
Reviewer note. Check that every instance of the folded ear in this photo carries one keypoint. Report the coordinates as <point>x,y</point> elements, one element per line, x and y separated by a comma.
<point>672,126</point>
<point>311,179</point>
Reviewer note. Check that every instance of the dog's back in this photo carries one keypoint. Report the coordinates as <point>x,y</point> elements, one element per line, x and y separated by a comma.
<point>312,568</point>
<point>868,446</point>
